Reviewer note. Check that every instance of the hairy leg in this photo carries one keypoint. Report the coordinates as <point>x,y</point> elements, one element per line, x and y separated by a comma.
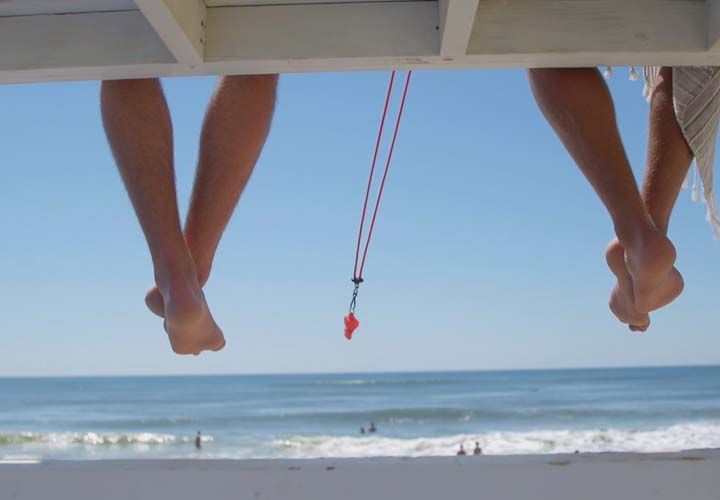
<point>669,156</point>
<point>236,125</point>
<point>579,107</point>
<point>668,160</point>
<point>138,127</point>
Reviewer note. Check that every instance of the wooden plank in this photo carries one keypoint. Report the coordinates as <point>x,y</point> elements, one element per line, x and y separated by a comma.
<point>456,22</point>
<point>180,24</point>
<point>79,40</point>
<point>360,36</point>
<point>589,26</point>
<point>301,32</point>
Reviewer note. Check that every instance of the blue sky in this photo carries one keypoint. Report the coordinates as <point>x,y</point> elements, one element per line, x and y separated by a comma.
<point>488,252</point>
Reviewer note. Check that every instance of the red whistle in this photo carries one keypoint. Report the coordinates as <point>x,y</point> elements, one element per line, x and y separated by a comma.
<point>351,324</point>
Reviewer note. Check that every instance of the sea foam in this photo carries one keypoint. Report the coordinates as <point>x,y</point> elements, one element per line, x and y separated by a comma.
<point>69,439</point>
<point>664,439</point>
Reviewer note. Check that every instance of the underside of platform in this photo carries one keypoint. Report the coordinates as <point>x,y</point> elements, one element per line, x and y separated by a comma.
<point>93,39</point>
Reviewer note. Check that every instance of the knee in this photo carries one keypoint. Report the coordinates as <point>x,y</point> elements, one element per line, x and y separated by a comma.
<point>131,83</point>
<point>131,87</point>
<point>662,89</point>
<point>255,82</point>
<point>542,78</point>
<point>556,74</point>
<point>556,84</point>
<point>665,78</point>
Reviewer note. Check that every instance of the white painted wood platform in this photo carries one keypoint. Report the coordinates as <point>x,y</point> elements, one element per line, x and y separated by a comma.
<point>678,476</point>
<point>92,39</point>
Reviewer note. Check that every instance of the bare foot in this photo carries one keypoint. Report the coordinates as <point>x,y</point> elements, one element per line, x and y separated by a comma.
<point>622,299</point>
<point>650,261</point>
<point>188,322</point>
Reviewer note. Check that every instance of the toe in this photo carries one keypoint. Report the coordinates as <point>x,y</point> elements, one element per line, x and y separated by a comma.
<point>640,325</point>
<point>222,345</point>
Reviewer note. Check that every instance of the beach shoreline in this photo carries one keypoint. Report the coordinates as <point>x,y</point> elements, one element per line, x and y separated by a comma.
<point>307,416</point>
<point>688,475</point>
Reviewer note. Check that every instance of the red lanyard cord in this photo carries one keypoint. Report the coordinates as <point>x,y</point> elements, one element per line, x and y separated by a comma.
<point>358,270</point>
<point>357,279</point>
<point>385,173</point>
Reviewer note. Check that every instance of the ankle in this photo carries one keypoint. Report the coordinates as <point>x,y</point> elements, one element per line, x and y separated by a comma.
<point>202,266</point>
<point>662,226</point>
<point>176,275</point>
<point>636,235</point>
<point>203,274</point>
<point>202,256</point>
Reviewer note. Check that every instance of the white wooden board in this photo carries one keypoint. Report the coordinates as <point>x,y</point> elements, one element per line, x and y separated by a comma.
<point>96,39</point>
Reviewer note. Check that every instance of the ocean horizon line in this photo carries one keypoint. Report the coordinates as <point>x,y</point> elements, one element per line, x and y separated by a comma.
<point>360,373</point>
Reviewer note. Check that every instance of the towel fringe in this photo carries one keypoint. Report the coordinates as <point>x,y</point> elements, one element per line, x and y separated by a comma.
<point>694,192</point>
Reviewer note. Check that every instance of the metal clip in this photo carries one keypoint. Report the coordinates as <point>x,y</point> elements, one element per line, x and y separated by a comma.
<point>353,302</point>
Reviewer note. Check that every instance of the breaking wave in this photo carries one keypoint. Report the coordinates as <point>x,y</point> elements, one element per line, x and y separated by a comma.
<point>678,437</point>
<point>68,439</point>
<point>665,439</point>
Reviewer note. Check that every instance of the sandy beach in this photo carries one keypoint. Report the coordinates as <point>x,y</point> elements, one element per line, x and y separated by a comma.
<point>691,475</point>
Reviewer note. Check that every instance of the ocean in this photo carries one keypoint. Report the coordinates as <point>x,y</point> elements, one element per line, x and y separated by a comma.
<point>417,414</point>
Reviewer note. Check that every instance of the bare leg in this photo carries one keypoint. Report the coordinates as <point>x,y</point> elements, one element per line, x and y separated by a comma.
<point>668,160</point>
<point>234,131</point>
<point>578,105</point>
<point>139,131</point>
<point>669,156</point>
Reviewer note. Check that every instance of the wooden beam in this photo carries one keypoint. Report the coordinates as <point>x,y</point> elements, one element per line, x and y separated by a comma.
<point>456,22</point>
<point>44,43</point>
<point>713,24</point>
<point>360,36</point>
<point>80,70</point>
<point>180,24</point>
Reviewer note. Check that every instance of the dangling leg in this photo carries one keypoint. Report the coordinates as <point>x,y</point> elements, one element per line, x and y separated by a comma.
<point>669,156</point>
<point>139,131</point>
<point>233,134</point>
<point>668,160</point>
<point>578,105</point>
